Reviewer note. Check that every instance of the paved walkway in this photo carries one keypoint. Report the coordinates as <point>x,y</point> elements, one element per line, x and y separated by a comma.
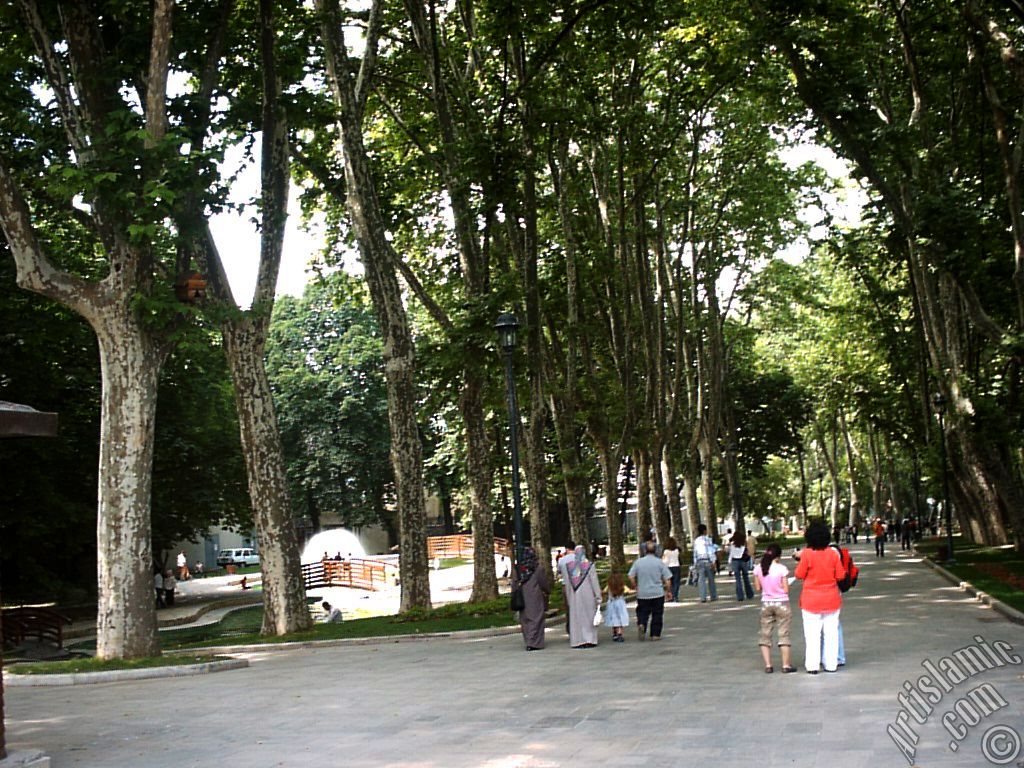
<point>697,698</point>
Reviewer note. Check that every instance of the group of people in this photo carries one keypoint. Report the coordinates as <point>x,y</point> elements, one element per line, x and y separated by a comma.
<point>165,584</point>
<point>655,577</point>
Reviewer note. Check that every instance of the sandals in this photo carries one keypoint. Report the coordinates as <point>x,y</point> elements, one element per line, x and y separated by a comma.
<point>769,670</point>
<point>786,670</point>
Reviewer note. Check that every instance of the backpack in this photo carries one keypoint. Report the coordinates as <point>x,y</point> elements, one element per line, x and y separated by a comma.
<point>849,581</point>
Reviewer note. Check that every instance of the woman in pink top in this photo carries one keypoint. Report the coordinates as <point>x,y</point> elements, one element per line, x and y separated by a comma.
<point>771,580</point>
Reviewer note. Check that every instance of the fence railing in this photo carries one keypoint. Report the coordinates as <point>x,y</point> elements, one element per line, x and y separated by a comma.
<point>461,546</point>
<point>356,573</point>
<point>44,624</point>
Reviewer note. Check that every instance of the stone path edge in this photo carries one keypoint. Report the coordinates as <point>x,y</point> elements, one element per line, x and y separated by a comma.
<point>115,675</point>
<point>997,605</point>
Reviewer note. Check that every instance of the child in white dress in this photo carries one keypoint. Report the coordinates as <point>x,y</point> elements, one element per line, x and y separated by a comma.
<point>615,615</point>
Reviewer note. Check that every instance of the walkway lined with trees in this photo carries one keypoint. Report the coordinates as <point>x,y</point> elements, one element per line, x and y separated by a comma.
<point>622,176</point>
<point>441,703</point>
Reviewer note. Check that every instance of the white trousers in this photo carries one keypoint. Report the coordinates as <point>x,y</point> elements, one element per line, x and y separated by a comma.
<point>816,625</point>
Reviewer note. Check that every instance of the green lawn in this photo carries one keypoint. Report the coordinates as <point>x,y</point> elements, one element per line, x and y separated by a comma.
<point>453,562</point>
<point>999,571</point>
<point>242,627</point>
<point>103,665</point>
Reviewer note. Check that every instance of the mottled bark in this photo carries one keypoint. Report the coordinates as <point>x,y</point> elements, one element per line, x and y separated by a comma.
<point>610,487</point>
<point>659,505</point>
<point>130,365</point>
<point>707,485</point>
<point>690,485</point>
<point>574,475</point>
<point>671,483</point>
<point>478,482</point>
<point>852,472</point>
<point>380,263</point>
<point>284,594</point>
<point>644,520</point>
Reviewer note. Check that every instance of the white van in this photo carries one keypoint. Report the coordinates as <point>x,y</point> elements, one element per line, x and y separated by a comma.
<point>240,557</point>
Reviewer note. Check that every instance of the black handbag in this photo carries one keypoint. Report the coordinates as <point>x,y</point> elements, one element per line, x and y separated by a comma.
<point>517,602</point>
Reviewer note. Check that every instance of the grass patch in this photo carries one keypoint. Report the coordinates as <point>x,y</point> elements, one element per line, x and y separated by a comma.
<point>454,562</point>
<point>999,571</point>
<point>70,666</point>
<point>242,627</point>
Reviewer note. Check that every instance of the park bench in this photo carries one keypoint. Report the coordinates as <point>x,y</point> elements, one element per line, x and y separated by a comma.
<point>44,624</point>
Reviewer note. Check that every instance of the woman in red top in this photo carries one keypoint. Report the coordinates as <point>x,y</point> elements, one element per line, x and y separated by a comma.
<point>820,568</point>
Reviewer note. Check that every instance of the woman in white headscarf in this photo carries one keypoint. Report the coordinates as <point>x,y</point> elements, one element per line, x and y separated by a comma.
<point>584,599</point>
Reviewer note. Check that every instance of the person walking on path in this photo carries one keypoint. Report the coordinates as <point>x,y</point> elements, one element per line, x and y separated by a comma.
<point>561,565</point>
<point>533,582</point>
<point>704,555</point>
<point>738,563</point>
<point>652,581</point>
<point>670,557</point>
<point>771,579</point>
<point>182,561</point>
<point>820,568</point>
<point>158,584</point>
<point>170,583</point>
<point>584,599</point>
<point>879,531</point>
<point>751,549</point>
<point>615,615</point>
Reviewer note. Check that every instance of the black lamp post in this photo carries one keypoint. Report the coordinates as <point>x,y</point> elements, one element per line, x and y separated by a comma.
<point>506,327</point>
<point>940,408</point>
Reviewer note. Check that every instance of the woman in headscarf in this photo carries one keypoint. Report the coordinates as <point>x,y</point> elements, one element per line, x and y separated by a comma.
<point>533,581</point>
<point>584,600</point>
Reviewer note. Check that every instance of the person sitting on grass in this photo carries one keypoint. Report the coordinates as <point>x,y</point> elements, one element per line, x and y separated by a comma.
<point>333,614</point>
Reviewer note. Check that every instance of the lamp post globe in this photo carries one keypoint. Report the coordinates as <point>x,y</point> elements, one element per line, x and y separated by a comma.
<point>939,403</point>
<point>506,327</point>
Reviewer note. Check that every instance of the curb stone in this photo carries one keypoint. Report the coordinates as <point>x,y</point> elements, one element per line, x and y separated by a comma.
<point>997,605</point>
<point>339,641</point>
<point>115,675</point>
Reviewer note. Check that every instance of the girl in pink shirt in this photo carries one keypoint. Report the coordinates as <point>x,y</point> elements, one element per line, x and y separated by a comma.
<point>771,579</point>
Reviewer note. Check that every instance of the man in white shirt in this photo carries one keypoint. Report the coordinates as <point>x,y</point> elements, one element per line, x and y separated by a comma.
<point>704,555</point>
<point>333,613</point>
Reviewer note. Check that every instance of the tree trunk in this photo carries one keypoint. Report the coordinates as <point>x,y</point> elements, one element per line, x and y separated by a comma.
<point>659,505</point>
<point>644,521</point>
<point>573,474</point>
<point>130,365</point>
<point>707,485</point>
<point>284,594</point>
<point>690,484</point>
<point>380,264</point>
<point>675,511</point>
<point>478,477</point>
<point>610,485</point>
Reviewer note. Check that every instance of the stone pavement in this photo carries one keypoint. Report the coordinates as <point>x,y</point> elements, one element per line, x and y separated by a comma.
<point>697,698</point>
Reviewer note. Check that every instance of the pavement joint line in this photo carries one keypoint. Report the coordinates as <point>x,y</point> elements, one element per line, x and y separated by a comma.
<point>1008,612</point>
<point>12,680</point>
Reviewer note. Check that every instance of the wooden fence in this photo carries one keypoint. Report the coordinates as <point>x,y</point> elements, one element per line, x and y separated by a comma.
<point>356,573</point>
<point>44,624</point>
<point>461,546</point>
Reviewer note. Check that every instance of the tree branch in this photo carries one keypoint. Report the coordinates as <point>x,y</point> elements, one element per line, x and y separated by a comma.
<point>156,80</point>
<point>274,165</point>
<point>57,79</point>
<point>35,271</point>
<point>364,81</point>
